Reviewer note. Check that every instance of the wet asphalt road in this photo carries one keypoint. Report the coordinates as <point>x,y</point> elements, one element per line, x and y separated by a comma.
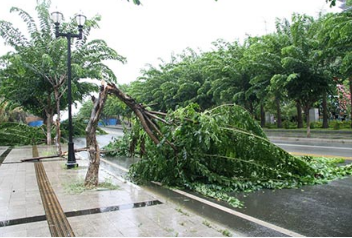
<point>320,210</point>
<point>317,147</point>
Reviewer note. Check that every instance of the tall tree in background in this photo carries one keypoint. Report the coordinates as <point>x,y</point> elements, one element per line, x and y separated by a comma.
<point>264,58</point>
<point>306,79</point>
<point>340,43</point>
<point>34,74</point>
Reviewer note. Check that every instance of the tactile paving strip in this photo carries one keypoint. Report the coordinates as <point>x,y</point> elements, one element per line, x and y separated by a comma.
<point>57,220</point>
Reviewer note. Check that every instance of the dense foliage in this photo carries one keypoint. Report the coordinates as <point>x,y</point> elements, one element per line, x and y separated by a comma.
<point>284,73</point>
<point>219,151</point>
<point>34,74</point>
<point>12,134</point>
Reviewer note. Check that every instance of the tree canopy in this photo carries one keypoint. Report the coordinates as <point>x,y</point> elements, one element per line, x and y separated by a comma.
<point>296,65</point>
<point>35,72</point>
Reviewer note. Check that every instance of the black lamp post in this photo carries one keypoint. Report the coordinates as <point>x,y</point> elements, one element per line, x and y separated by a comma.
<point>57,18</point>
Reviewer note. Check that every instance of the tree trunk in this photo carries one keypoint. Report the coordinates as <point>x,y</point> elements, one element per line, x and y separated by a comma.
<point>307,107</point>
<point>138,109</point>
<point>251,108</point>
<point>57,124</point>
<point>49,119</point>
<point>262,115</point>
<point>325,111</point>
<point>278,113</point>
<point>57,83</point>
<point>92,176</point>
<point>299,114</point>
<point>350,79</point>
<point>145,117</point>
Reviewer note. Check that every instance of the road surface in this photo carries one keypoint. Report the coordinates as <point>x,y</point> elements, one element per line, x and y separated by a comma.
<point>337,148</point>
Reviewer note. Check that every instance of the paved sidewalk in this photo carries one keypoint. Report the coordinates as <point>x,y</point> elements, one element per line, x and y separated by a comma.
<point>127,211</point>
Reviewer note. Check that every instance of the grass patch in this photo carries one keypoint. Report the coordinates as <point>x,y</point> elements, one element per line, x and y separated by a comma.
<point>206,223</point>
<point>77,186</point>
<point>108,185</point>
<point>181,211</point>
<point>48,152</point>
<point>225,233</point>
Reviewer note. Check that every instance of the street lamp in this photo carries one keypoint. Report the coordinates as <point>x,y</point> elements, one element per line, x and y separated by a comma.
<point>57,18</point>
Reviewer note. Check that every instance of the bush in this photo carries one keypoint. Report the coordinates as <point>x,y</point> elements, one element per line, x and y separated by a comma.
<point>336,125</point>
<point>12,134</point>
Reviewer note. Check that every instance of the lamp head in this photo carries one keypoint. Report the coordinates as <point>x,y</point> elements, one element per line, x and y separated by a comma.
<point>57,17</point>
<point>81,19</point>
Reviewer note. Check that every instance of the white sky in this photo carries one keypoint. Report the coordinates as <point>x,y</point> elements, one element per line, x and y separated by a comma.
<point>159,28</point>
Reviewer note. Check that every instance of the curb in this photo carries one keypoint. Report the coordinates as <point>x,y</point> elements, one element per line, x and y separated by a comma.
<point>342,141</point>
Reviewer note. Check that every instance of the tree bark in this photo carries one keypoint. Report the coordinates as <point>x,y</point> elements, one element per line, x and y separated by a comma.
<point>57,83</point>
<point>57,124</point>
<point>92,176</point>
<point>350,79</point>
<point>145,117</point>
<point>307,107</point>
<point>299,114</point>
<point>262,115</point>
<point>325,111</point>
<point>49,118</point>
<point>278,113</point>
<point>138,109</point>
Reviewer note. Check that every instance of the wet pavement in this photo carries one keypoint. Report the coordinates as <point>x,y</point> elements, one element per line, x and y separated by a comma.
<point>151,210</point>
<point>128,211</point>
<point>320,210</point>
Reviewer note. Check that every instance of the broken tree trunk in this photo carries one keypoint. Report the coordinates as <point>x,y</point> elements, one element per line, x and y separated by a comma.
<point>147,119</point>
<point>138,109</point>
<point>92,176</point>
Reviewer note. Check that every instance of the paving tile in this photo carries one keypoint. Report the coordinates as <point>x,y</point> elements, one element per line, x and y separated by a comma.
<point>38,229</point>
<point>120,222</point>
<point>4,202</point>
<point>18,233</point>
<point>16,211</point>
<point>85,231</point>
<point>165,220</point>
<point>133,232</point>
<point>14,231</point>
<point>35,211</point>
<point>17,202</point>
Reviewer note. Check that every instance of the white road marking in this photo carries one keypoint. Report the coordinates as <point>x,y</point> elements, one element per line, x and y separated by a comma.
<point>315,146</point>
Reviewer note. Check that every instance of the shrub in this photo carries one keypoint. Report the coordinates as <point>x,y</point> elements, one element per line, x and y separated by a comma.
<point>12,134</point>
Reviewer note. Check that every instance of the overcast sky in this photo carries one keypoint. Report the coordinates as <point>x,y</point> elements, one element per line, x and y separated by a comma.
<point>158,28</point>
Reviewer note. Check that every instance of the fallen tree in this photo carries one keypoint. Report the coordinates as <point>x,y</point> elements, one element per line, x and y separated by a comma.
<point>146,118</point>
<point>215,152</point>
